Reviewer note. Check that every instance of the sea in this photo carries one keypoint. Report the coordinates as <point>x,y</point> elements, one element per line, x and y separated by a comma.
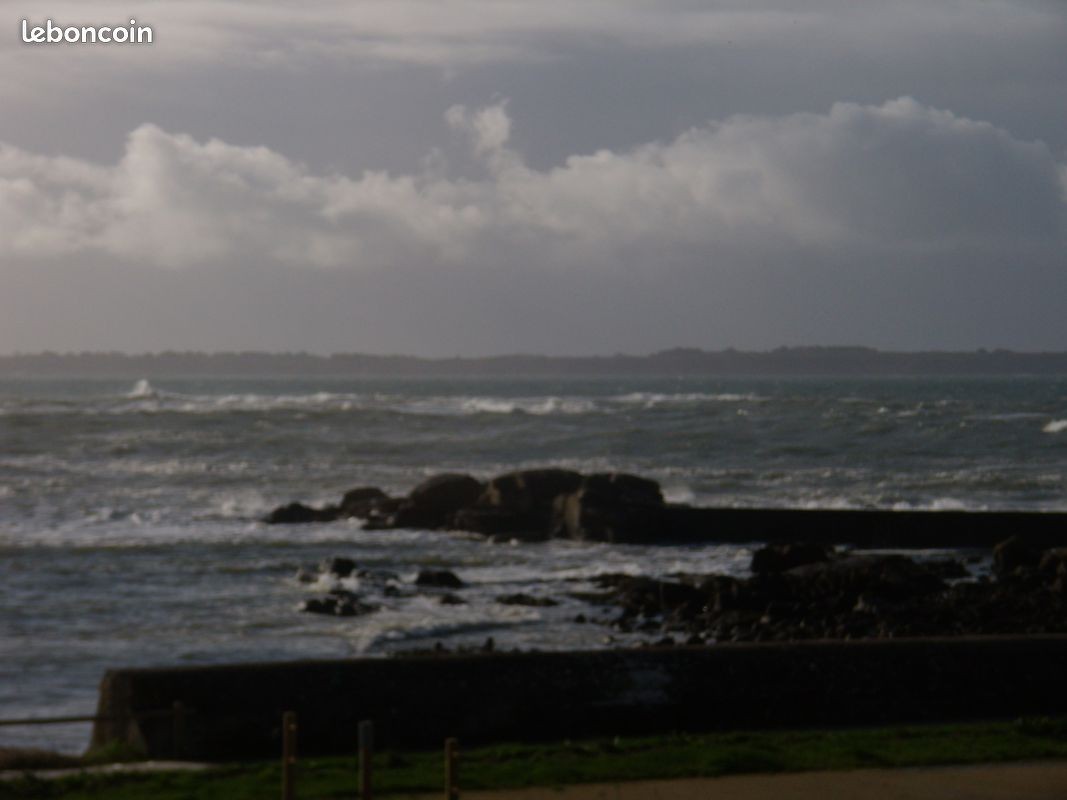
<point>130,510</point>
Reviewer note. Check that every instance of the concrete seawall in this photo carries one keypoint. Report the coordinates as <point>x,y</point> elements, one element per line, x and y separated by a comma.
<point>234,711</point>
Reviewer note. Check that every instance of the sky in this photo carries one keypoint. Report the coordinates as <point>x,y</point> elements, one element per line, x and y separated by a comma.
<point>475,177</point>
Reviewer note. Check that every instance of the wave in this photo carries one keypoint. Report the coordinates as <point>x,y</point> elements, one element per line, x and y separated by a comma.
<point>653,399</point>
<point>1056,426</point>
<point>142,390</point>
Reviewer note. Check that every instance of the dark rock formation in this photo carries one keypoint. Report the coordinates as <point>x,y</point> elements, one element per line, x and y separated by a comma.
<point>339,566</point>
<point>338,603</point>
<point>502,523</point>
<point>362,501</point>
<point>611,507</point>
<point>1013,553</point>
<point>780,556</point>
<point>850,597</point>
<point>530,492</point>
<point>538,504</point>
<point>297,513</point>
<point>521,599</point>
<point>431,504</point>
<point>440,578</point>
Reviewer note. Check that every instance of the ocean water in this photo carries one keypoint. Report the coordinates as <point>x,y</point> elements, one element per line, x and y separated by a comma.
<point>128,510</point>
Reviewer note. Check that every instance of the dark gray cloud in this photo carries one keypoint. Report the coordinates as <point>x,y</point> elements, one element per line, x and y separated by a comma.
<point>484,177</point>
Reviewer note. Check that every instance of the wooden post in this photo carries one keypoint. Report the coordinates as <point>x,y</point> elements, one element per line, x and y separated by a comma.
<point>451,769</point>
<point>366,756</point>
<point>289,755</point>
<point>177,730</point>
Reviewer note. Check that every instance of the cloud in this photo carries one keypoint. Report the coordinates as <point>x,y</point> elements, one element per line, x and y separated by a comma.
<point>899,176</point>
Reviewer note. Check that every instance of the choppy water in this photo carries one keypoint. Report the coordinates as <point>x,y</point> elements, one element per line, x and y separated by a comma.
<point>128,531</point>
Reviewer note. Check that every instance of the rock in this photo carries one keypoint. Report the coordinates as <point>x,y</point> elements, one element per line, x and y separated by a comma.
<point>362,501</point>
<point>890,577</point>
<point>501,524</point>
<point>339,604</point>
<point>530,492</point>
<point>526,600</point>
<point>449,491</point>
<point>611,507</point>
<point>432,504</point>
<point>441,578</point>
<point>782,556</point>
<point>1012,553</point>
<point>641,596</point>
<point>451,600</point>
<point>1053,562</point>
<point>298,513</point>
<point>382,515</point>
<point>948,569</point>
<point>339,566</point>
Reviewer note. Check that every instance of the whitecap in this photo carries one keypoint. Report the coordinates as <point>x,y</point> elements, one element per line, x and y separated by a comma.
<point>1056,426</point>
<point>142,390</point>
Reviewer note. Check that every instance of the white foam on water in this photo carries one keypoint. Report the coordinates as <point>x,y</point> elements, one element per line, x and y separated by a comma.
<point>1056,426</point>
<point>654,399</point>
<point>463,405</point>
<point>142,390</point>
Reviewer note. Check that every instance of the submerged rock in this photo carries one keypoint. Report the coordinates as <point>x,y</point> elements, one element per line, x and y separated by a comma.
<point>440,578</point>
<point>298,513</point>
<point>521,599</point>
<point>781,556</point>
<point>362,501</point>
<point>338,603</point>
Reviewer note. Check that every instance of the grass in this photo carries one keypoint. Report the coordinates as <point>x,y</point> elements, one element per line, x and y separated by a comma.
<point>521,765</point>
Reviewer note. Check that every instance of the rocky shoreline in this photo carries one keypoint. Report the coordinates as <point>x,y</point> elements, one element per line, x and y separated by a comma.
<point>541,504</point>
<point>798,590</point>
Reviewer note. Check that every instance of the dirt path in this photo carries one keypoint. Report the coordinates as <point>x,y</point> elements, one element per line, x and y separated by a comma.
<point>1027,781</point>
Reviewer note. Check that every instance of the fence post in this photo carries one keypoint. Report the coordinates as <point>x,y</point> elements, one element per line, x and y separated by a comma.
<point>366,756</point>
<point>451,769</point>
<point>289,755</point>
<point>177,730</point>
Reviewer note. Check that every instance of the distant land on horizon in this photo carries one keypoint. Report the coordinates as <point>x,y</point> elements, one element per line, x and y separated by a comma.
<point>677,361</point>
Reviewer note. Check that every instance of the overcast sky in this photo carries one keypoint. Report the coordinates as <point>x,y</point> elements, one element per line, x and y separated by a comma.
<point>442,177</point>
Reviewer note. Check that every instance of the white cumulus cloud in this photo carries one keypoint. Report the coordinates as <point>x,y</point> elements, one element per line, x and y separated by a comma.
<point>896,175</point>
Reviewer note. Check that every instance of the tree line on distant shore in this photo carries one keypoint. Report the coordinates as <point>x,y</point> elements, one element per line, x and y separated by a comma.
<point>677,361</point>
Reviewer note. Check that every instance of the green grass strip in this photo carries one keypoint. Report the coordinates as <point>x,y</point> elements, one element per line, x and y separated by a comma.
<point>603,760</point>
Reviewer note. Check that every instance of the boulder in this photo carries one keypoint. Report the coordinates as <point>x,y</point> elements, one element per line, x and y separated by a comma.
<point>782,556</point>
<point>521,599</point>
<point>441,578</point>
<point>530,492</point>
<point>338,603</point>
<point>298,513</point>
<point>612,507</point>
<point>446,493</point>
<point>339,566</point>
<point>891,577</point>
<point>500,522</point>
<point>431,504</point>
<point>362,501</point>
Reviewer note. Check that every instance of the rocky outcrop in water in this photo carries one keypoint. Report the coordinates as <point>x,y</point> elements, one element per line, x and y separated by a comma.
<point>539,504</point>
<point>529,505</point>
<point>844,597</point>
